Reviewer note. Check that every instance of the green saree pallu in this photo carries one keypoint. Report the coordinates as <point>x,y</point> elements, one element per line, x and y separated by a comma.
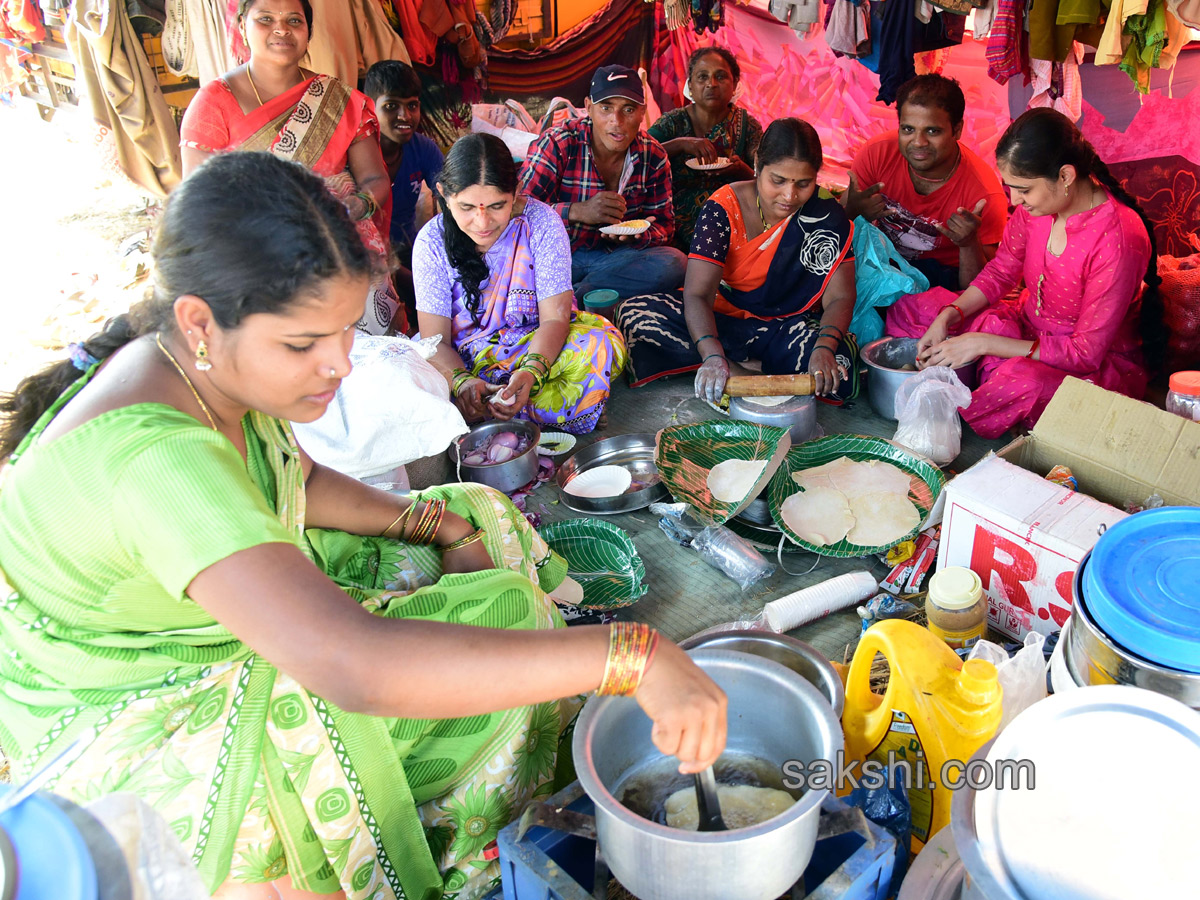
<point>257,776</point>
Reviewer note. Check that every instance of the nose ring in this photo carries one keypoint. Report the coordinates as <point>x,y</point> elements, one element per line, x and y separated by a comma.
<point>332,372</point>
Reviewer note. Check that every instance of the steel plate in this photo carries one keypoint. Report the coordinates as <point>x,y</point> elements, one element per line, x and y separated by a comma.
<point>633,452</point>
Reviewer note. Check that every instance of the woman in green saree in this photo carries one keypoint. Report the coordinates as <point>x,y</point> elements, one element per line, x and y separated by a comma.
<point>324,688</point>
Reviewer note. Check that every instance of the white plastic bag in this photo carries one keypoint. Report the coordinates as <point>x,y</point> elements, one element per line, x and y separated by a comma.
<point>393,408</point>
<point>1022,677</point>
<point>927,407</point>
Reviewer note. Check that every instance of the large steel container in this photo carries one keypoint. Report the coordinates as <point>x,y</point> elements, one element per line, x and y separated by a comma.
<point>774,715</point>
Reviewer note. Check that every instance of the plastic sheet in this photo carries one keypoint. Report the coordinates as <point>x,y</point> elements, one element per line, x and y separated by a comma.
<point>159,867</point>
<point>886,606</point>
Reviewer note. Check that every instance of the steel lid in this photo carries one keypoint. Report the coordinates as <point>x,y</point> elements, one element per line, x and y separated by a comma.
<point>1109,815</point>
<point>1140,585</point>
<point>8,868</point>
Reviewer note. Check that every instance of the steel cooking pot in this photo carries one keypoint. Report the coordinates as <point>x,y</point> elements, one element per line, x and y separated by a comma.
<point>885,359</point>
<point>774,715</point>
<point>803,659</point>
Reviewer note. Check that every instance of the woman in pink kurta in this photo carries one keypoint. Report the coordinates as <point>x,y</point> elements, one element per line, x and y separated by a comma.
<point>1082,247</point>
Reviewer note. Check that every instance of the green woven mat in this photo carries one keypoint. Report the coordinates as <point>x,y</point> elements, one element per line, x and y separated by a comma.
<point>684,455</point>
<point>602,558</point>
<point>926,482</point>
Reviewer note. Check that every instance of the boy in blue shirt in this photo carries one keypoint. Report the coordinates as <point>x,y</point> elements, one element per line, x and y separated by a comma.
<point>412,159</point>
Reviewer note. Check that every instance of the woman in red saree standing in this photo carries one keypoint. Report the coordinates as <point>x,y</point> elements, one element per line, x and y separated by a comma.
<point>273,104</point>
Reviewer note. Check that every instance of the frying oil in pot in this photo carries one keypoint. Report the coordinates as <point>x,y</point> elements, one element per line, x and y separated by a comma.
<point>645,789</point>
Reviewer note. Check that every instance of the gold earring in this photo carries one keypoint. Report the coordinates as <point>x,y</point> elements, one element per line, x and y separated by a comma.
<point>203,363</point>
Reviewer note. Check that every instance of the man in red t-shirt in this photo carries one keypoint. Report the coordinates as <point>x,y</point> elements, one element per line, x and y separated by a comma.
<point>938,202</point>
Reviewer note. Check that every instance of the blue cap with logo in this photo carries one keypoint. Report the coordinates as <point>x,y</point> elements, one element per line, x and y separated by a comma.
<point>616,81</point>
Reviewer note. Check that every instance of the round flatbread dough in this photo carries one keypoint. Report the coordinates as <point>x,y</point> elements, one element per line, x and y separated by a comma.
<point>882,519</point>
<point>742,805</point>
<point>731,481</point>
<point>818,515</point>
<point>856,478</point>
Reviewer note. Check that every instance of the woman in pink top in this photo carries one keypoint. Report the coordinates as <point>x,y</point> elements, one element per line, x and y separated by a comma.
<point>1084,248</point>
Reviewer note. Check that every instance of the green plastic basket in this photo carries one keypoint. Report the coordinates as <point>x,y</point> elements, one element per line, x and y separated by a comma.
<point>926,482</point>
<point>602,558</point>
<point>684,455</point>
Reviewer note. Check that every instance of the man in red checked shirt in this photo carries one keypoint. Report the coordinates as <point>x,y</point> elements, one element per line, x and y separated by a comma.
<point>939,203</point>
<point>602,170</point>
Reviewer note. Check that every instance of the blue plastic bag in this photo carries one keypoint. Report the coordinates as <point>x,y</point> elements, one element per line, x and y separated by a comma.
<point>881,277</point>
<point>889,809</point>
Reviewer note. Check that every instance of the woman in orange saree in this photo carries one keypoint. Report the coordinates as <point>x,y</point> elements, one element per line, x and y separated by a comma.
<point>274,105</point>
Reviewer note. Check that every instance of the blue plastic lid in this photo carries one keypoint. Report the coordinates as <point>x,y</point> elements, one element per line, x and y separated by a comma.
<point>52,858</point>
<point>1142,585</point>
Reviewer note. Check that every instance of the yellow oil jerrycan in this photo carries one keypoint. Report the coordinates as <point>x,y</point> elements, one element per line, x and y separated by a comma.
<point>936,709</point>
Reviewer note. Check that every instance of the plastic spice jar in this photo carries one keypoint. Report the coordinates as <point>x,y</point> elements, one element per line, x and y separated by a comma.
<point>956,607</point>
<point>1183,398</point>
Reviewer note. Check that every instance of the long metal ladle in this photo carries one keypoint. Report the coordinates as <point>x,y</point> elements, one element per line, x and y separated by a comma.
<point>707,804</point>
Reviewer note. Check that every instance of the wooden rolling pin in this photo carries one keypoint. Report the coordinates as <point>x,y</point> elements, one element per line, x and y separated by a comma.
<point>799,385</point>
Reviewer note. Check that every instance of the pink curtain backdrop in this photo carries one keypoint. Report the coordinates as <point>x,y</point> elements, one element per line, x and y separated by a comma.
<point>784,75</point>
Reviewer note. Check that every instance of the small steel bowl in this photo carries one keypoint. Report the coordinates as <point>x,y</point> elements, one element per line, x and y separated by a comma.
<point>798,415</point>
<point>506,476</point>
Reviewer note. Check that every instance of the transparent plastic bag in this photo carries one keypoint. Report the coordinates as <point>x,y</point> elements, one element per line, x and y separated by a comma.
<point>719,547</point>
<point>927,407</point>
<point>1022,676</point>
<point>732,554</point>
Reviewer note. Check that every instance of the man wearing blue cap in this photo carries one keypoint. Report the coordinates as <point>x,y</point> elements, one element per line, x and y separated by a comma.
<point>602,170</point>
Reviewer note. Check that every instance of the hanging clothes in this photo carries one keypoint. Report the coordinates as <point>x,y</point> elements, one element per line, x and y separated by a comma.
<point>708,15</point>
<point>1006,48</point>
<point>798,15</point>
<point>1048,39</point>
<point>981,22</point>
<point>1058,85</point>
<point>901,36</point>
<point>848,29</point>
<point>127,103</point>
<point>417,38</point>
<point>349,36</point>
<point>194,41</point>
<point>1140,35</point>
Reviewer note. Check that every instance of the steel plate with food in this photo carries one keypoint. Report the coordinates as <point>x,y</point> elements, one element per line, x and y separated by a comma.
<point>632,452</point>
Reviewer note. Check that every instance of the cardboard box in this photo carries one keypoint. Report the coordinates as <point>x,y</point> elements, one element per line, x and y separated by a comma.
<point>1024,536</point>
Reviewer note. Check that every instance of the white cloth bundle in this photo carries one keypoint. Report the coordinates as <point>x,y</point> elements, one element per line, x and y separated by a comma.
<point>393,408</point>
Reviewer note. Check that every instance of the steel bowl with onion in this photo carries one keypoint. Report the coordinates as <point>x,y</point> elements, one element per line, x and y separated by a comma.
<point>504,476</point>
<point>887,361</point>
<point>775,716</point>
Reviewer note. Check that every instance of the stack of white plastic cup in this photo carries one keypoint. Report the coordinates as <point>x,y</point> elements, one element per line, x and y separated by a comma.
<point>812,603</point>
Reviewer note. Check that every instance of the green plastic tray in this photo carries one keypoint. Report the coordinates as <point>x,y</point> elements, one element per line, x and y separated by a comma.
<point>926,480</point>
<point>684,455</point>
<point>602,558</point>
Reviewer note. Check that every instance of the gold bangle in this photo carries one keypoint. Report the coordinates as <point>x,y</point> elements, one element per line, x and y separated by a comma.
<point>395,521</point>
<point>471,538</point>
<point>630,646</point>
